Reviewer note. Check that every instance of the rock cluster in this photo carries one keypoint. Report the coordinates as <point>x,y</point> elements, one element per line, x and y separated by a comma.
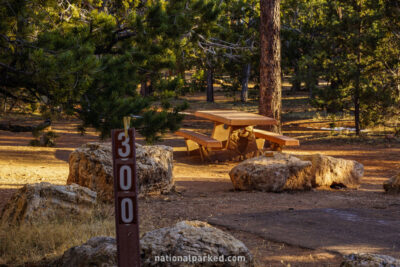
<point>393,184</point>
<point>369,260</point>
<point>277,172</point>
<point>188,243</point>
<point>41,202</point>
<point>91,166</point>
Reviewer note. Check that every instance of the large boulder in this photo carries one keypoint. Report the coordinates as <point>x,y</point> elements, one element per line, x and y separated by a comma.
<point>91,165</point>
<point>369,260</point>
<point>41,202</point>
<point>327,171</point>
<point>274,173</point>
<point>193,243</point>
<point>393,185</point>
<point>98,251</point>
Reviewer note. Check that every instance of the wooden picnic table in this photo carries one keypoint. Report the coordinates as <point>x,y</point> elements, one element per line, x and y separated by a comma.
<point>233,132</point>
<point>235,118</point>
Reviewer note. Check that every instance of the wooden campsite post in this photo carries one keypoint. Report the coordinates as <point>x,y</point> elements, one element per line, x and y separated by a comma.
<point>125,195</point>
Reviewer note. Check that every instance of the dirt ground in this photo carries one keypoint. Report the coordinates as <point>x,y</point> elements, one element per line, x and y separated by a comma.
<point>205,191</point>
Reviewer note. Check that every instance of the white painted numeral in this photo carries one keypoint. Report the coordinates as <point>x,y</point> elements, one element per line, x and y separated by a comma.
<point>125,172</point>
<point>127,210</point>
<point>125,143</point>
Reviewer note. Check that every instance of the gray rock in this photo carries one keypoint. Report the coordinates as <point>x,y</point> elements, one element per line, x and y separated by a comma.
<point>166,247</point>
<point>91,165</point>
<point>328,170</point>
<point>98,251</point>
<point>41,202</point>
<point>154,168</point>
<point>195,239</point>
<point>272,173</point>
<point>393,184</point>
<point>369,260</point>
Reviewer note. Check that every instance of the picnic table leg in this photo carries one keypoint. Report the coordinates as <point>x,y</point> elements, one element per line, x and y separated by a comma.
<point>243,140</point>
<point>276,147</point>
<point>260,143</point>
<point>221,132</point>
<point>191,145</point>
<point>204,153</point>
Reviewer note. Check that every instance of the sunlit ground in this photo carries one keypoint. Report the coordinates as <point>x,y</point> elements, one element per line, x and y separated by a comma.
<point>205,183</point>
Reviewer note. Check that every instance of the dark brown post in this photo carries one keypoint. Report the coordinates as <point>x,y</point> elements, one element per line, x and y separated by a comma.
<point>125,196</point>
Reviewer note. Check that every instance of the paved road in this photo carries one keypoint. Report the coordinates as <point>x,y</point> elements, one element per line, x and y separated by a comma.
<point>339,230</point>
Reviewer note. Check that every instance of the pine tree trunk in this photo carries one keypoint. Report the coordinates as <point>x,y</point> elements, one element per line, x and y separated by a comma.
<point>357,108</point>
<point>296,86</point>
<point>150,88</point>
<point>296,83</point>
<point>5,104</point>
<point>210,85</point>
<point>270,62</point>
<point>143,89</point>
<point>181,72</point>
<point>146,88</point>
<point>181,68</point>
<point>245,83</point>
<point>356,96</point>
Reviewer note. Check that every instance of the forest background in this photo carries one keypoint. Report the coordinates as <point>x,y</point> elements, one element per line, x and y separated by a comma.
<point>102,60</point>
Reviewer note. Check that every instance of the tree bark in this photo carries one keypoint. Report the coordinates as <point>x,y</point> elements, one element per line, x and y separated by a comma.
<point>5,104</point>
<point>210,85</point>
<point>245,83</point>
<point>146,88</point>
<point>143,88</point>
<point>270,62</point>
<point>357,106</point>
<point>296,83</point>
<point>356,96</point>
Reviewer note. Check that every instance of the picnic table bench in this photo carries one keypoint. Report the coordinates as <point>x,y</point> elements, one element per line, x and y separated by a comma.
<point>277,141</point>
<point>199,141</point>
<point>234,131</point>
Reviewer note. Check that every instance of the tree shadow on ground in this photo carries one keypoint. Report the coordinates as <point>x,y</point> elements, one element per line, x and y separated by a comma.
<point>62,154</point>
<point>332,229</point>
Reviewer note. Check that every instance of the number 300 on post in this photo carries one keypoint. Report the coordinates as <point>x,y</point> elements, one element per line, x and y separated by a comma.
<point>125,195</point>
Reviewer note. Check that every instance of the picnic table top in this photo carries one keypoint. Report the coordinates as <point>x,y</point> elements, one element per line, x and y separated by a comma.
<point>235,118</point>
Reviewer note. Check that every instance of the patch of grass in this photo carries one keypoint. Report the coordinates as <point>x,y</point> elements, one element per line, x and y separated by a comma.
<point>301,115</point>
<point>350,138</point>
<point>295,101</point>
<point>47,241</point>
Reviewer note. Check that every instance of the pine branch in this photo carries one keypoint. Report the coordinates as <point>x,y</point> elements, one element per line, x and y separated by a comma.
<point>23,43</point>
<point>119,35</point>
<point>8,94</point>
<point>12,69</point>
